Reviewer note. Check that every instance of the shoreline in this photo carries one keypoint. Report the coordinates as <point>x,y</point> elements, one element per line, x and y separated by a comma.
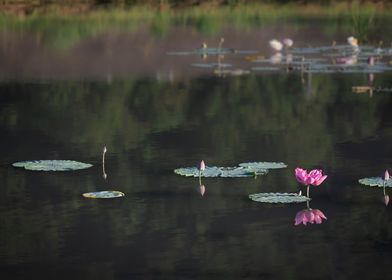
<point>84,9</point>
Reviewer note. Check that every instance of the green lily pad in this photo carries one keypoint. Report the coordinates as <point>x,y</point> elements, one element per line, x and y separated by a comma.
<point>375,182</point>
<point>103,194</point>
<point>263,165</point>
<point>52,165</point>
<point>211,65</point>
<point>266,68</point>
<point>278,197</point>
<point>214,171</point>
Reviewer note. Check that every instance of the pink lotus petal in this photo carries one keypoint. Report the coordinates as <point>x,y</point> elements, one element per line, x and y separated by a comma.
<point>299,218</point>
<point>319,181</point>
<point>309,216</point>
<point>319,213</point>
<point>301,175</point>
<point>317,219</point>
<point>386,175</point>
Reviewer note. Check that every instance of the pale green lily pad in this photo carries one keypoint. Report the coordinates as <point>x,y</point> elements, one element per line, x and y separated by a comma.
<point>263,165</point>
<point>278,197</point>
<point>214,171</point>
<point>266,68</point>
<point>375,182</point>
<point>103,194</point>
<point>211,65</point>
<point>52,165</point>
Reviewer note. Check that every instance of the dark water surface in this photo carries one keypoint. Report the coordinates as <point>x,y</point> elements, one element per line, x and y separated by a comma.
<point>155,113</point>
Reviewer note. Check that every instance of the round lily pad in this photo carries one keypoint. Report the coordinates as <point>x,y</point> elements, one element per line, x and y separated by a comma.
<point>52,165</point>
<point>263,165</point>
<point>375,182</point>
<point>278,197</point>
<point>103,194</point>
<point>214,171</point>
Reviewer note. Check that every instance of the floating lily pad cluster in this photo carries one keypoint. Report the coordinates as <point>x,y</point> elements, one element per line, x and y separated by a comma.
<point>246,169</point>
<point>249,169</point>
<point>66,165</point>
<point>376,182</point>
<point>343,58</point>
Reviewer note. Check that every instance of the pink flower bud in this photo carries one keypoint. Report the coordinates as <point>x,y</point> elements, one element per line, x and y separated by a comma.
<point>386,175</point>
<point>201,166</point>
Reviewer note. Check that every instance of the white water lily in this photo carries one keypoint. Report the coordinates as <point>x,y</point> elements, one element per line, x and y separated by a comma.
<point>276,45</point>
<point>352,41</point>
<point>288,42</point>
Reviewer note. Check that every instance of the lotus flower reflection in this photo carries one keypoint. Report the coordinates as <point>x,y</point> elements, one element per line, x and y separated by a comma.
<point>202,190</point>
<point>310,216</point>
<point>386,199</point>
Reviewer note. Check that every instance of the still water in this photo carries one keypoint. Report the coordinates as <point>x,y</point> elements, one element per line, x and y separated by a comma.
<point>154,113</point>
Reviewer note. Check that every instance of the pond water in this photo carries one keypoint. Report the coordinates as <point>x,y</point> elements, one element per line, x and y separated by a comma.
<point>156,112</point>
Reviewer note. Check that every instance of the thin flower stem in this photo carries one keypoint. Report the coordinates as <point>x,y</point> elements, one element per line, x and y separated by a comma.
<point>307,191</point>
<point>384,188</point>
<point>199,178</point>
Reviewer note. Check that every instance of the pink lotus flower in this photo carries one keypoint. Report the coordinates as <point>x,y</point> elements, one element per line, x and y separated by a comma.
<point>310,216</point>
<point>386,200</point>
<point>314,177</point>
<point>201,166</point>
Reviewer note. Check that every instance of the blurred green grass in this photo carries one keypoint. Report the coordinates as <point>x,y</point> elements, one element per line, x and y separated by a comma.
<point>61,27</point>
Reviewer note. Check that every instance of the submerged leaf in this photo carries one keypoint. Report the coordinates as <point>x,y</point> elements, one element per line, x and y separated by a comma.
<point>52,165</point>
<point>103,194</point>
<point>375,182</point>
<point>278,197</point>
